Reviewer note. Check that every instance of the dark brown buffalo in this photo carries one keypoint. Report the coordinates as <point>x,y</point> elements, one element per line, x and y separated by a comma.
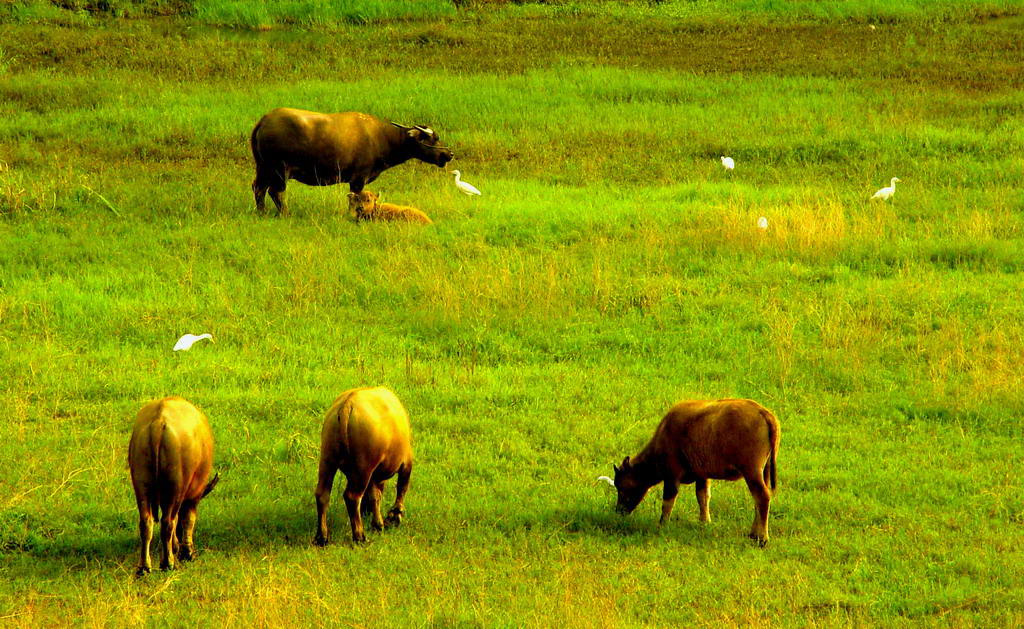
<point>326,149</point>
<point>701,440</point>
<point>170,456</point>
<point>366,435</point>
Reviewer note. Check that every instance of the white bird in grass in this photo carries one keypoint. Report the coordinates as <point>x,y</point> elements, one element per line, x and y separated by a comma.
<point>462,185</point>
<point>762,222</point>
<point>728,163</point>
<point>607,480</point>
<point>886,193</point>
<point>187,341</point>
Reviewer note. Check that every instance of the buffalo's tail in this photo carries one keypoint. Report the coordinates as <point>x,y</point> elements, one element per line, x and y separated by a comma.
<point>210,485</point>
<point>253,143</point>
<point>770,472</point>
<point>156,439</point>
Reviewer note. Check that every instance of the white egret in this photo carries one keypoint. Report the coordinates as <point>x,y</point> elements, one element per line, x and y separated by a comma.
<point>762,222</point>
<point>728,163</point>
<point>462,185</point>
<point>607,480</point>
<point>186,342</point>
<point>886,193</point>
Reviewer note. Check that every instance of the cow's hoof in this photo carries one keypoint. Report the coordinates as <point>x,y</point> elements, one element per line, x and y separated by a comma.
<point>377,526</point>
<point>186,554</point>
<point>142,571</point>
<point>319,540</point>
<point>394,517</point>
<point>359,539</point>
<point>168,566</point>
<point>761,541</point>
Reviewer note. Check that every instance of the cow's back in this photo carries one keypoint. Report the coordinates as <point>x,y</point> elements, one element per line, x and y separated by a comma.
<point>299,136</point>
<point>367,426</point>
<point>717,437</point>
<point>171,444</point>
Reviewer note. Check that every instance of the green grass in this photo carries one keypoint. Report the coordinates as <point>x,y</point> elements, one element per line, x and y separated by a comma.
<point>536,333</point>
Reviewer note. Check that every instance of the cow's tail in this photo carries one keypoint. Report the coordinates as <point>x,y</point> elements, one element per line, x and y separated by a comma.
<point>156,440</point>
<point>210,485</point>
<point>253,143</point>
<point>770,472</point>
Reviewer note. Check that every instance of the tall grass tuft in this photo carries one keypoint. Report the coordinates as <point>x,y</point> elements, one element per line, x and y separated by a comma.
<point>316,13</point>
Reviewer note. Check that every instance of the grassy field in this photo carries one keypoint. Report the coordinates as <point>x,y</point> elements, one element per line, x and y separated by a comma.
<point>537,333</point>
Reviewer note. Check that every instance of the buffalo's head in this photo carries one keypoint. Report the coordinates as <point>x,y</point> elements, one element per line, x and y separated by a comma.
<point>422,143</point>
<point>362,204</point>
<point>631,485</point>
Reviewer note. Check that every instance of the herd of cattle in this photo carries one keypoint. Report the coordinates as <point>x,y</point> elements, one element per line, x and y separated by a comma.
<point>366,435</point>
<point>366,432</point>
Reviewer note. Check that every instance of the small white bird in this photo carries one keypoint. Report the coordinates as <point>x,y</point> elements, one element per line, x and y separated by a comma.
<point>607,480</point>
<point>462,185</point>
<point>187,341</point>
<point>886,193</point>
<point>762,222</point>
<point>728,163</point>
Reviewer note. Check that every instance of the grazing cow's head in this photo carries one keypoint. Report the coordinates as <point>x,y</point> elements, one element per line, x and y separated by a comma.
<point>631,485</point>
<point>422,143</point>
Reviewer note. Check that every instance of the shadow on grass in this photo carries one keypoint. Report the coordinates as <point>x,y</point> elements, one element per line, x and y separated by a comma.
<point>112,536</point>
<point>599,521</point>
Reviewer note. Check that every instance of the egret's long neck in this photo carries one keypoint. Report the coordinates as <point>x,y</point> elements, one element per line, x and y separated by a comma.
<point>458,177</point>
<point>892,183</point>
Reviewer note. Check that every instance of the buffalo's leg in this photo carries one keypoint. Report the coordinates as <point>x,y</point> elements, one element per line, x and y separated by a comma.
<point>703,496</point>
<point>668,498</point>
<point>186,527</point>
<point>277,194</point>
<point>325,483</point>
<point>372,499</point>
<point>259,192</point>
<point>268,179</point>
<point>398,510</point>
<point>354,491</point>
<point>145,537</point>
<point>762,500</point>
<point>168,535</point>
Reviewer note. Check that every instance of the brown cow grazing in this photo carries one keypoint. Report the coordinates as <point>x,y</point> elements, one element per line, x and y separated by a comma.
<point>170,456</point>
<point>367,207</point>
<point>366,435</point>
<point>326,149</point>
<point>701,440</point>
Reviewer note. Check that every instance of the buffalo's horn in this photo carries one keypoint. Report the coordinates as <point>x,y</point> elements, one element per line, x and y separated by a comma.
<point>607,480</point>
<point>400,126</point>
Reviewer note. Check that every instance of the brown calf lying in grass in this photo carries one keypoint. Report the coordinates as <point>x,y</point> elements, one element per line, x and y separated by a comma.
<point>366,435</point>
<point>702,440</point>
<point>367,207</point>
<point>170,455</point>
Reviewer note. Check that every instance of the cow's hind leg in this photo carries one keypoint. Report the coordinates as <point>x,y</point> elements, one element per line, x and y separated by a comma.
<point>374,496</point>
<point>762,500</point>
<point>269,179</point>
<point>186,527</point>
<point>277,194</point>
<point>354,491</point>
<point>145,537</point>
<point>397,511</point>
<point>259,192</point>
<point>169,534</point>
<point>325,483</point>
